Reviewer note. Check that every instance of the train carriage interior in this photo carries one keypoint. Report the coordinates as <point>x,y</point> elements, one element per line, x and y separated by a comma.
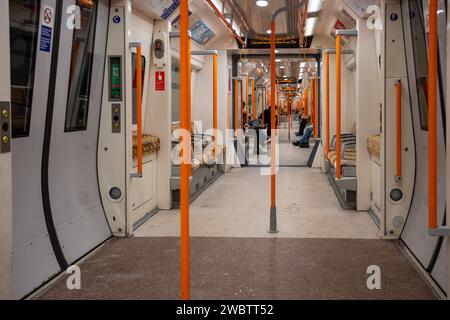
<point>224,149</point>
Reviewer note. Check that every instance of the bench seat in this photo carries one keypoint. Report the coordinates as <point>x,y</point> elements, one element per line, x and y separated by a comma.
<point>150,145</point>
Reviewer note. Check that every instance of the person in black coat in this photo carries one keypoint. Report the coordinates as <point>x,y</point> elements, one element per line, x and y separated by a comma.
<point>267,118</point>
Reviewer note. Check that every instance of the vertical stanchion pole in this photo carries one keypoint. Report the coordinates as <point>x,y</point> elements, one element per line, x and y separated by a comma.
<point>254,107</point>
<point>140,162</point>
<point>327,101</point>
<point>338,107</point>
<point>273,206</point>
<point>246,99</point>
<point>185,142</point>
<point>316,108</point>
<point>263,104</point>
<point>236,107</point>
<point>241,105</point>
<point>432,116</point>
<point>215,119</point>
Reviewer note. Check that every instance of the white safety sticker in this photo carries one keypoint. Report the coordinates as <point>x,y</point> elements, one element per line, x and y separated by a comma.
<point>47,24</point>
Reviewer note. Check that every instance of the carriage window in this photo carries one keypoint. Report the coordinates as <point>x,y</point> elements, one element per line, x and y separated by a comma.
<point>134,55</point>
<point>24,24</point>
<point>81,68</point>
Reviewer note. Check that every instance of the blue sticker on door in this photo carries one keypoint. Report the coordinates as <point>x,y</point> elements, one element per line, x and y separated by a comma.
<point>47,23</point>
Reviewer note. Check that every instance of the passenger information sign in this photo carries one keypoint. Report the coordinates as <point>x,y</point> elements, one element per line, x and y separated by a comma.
<point>47,24</point>
<point>164,8</point>
<point>115,86</point>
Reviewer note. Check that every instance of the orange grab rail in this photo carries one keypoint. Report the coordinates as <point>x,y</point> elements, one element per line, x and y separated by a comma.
<point>185,61</point>
<point>140,162</point>
<point>432,116</point>
<point>338,107</point>
<point>316,107</point>
<point>255,110</point>
<point>226,23</point>
<point>327,98</point>
<point>236,106</point>
<point>138,78</point>
<point>247,106</point>
<point>398,89</point>
<point>215,115</point>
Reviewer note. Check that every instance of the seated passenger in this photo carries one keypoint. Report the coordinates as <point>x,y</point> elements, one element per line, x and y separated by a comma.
<point>304,141</point>
<point>303,123</point>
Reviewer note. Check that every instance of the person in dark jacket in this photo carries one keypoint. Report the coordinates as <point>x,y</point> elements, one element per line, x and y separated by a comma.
<point>244,115</point>
<point>267,118</point>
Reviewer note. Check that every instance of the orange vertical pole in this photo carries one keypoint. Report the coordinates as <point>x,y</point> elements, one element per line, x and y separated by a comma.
<point>316,107</point>
<point>215,116</point>
<point>398,89</point>
<point>306,102</point>
<point>255,109</point>
<point>338,107</point>
<point>242,109</point>
<point>279,114</point>
<point>327,102</point>
<point>236,106</point>
<point>140,163</point>
<point>432,116</point>
<point>273,127</point>
<point>264,93</point>
<point>185,141</point>
<point>313,117</point>
<point>246,99</point>
<point>189,113</point>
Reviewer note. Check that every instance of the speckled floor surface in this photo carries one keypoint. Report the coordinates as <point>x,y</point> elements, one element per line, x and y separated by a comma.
<point>237,268</point>
<point>237,205</point>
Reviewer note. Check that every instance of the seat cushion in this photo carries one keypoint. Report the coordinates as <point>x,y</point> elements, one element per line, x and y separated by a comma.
<point>374,146</point>
<point>150,144</point>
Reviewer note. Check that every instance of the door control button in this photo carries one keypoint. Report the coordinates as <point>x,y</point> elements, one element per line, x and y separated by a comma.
<point>5,140</point>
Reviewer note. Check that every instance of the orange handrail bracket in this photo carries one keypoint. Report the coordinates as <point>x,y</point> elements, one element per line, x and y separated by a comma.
<point>398,90</point>
<point>139,117</point>
<point>185,61</point>
<point>338,107</point>
<point>327,101</point>
<point>215,114</point>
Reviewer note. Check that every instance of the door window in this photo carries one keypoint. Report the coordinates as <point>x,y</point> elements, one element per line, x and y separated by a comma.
<point>81,68</point>
<point>24,30</point>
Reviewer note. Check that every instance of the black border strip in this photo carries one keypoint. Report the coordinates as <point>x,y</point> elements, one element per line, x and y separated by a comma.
<point>56,245</point>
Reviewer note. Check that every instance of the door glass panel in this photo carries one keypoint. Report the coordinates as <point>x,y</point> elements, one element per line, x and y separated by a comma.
<point>134,55</point>
<point>24,30</point>
<point>81,68</point>
<point>420,59</point>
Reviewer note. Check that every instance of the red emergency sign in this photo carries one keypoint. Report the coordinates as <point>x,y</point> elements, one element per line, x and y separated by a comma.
<point>160,81</point>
